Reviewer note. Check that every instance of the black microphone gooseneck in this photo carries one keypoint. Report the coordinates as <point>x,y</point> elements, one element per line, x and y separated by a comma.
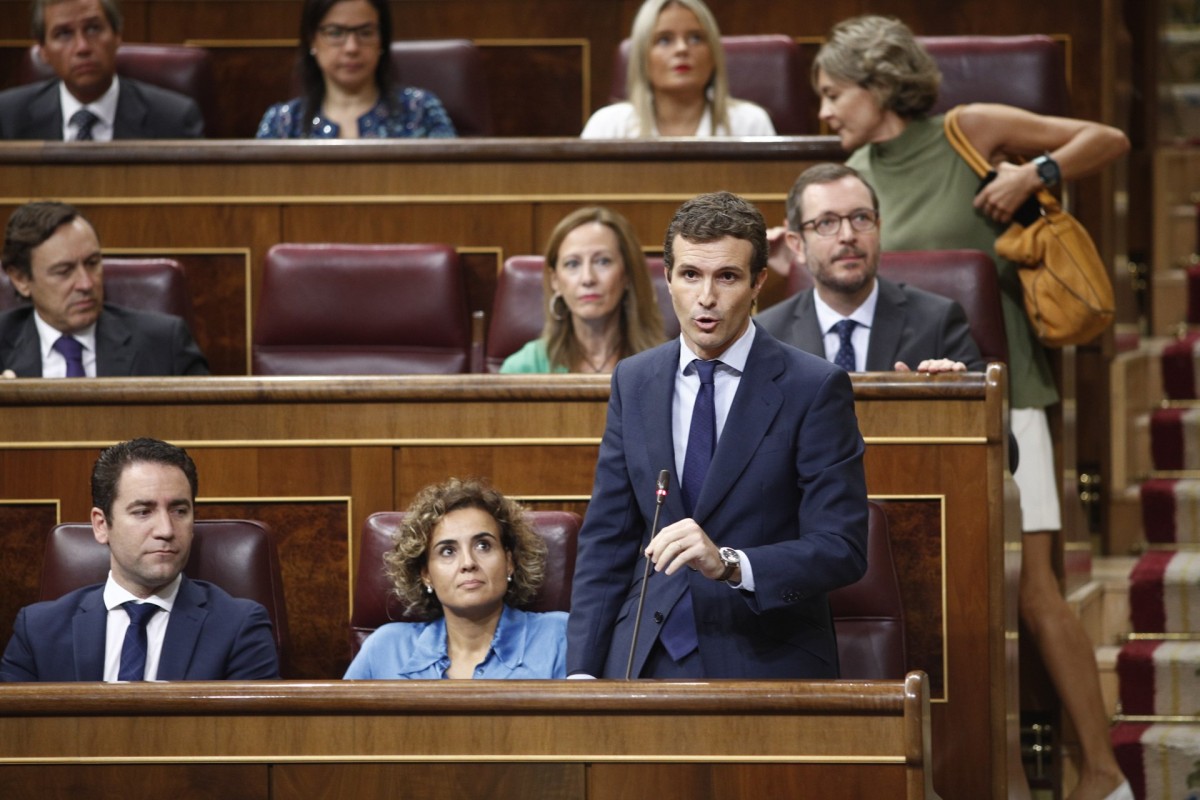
<point>660,494</point>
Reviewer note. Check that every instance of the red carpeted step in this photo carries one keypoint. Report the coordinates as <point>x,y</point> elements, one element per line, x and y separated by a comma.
<point>1159,678</point>
<point>1179,368</point>
<point>1175,438</point>
<point>1161,760</point>
<point>1164,592</point>
<point>1171,511</point>
<point>1127,744</point>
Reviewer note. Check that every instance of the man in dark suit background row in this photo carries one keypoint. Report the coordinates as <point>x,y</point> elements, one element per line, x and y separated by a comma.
<point>148,621</point>
<point>833,231</point>
<point>52,256</point>
<point>79,40</point>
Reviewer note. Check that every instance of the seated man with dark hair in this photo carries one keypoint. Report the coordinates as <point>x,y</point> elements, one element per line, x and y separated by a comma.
<point>149,621</point>
<point>87,101</point>
<point>851,316</point>
<point>52,257</point>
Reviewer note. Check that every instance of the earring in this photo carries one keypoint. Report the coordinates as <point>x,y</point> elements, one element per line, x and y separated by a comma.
<point>558,317</point>
<point>510,578</point>
<point>428,589</point>
<point>312,51</point>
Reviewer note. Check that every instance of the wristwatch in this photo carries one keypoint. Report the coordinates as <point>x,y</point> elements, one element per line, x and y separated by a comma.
<point>731,560</point>
<point>1047,170</point>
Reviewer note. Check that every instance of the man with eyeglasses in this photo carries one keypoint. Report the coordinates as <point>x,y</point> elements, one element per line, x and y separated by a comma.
<point>78,39</point>
<point>852,317</point>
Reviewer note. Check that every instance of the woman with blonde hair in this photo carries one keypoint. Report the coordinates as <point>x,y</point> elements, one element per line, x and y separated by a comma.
<point>877,86</point>
<point>676,82</point>
<point>600,305</point>
<point>466,558</point>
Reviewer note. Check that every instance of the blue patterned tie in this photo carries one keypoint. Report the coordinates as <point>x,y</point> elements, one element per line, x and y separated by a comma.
<point>678,634</point>
<point>845,354</point>
<point>72,353</point>
<point>84,120</point>
<point>133,651</point>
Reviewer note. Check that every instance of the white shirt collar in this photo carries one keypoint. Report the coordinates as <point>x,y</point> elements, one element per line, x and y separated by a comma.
<point>48,335</point>
<point>116,595</point>
<point>735,355</point>
<point>864,315</point>
<point>105,109</point>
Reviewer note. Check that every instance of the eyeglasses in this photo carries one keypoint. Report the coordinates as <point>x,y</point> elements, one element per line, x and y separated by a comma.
<point>336,35</point>
<point>861,220</point>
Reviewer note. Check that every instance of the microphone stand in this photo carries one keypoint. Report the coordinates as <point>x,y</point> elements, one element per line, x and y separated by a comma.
<point>660,494</point>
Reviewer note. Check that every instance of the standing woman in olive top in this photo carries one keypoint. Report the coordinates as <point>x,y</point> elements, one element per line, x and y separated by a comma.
<point>600,305</point>
<point>877,85</point>
<point>346,66</point>
<point>676,82</point>
<point>466,558</point>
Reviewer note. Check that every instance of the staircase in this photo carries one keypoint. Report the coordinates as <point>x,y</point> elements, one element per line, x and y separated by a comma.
<point>1157,735</point>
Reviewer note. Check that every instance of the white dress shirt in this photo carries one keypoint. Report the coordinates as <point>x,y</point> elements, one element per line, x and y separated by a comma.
<point>105,109</point>
<point>54,365</point>
<point>860,337</point>
<point>115,596</point>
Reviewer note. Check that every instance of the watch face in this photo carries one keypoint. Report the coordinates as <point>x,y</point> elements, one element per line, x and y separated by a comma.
<point>729,555</point>
<point>1047,170</point>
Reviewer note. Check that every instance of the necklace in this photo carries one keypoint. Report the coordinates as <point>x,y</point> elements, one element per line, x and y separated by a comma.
<point>597,368</point>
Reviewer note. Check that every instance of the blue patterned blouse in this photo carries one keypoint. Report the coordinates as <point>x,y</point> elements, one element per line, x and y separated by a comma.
<point>414,113</point>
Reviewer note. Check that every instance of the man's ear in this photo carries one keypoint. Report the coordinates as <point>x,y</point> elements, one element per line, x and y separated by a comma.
<point>795,243</point>
<point>99,526</point>
<point>19,281</point>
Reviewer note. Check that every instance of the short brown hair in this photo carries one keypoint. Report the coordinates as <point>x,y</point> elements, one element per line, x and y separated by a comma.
<point>881,55</point>
<point>817,175</point>
<point>404,562</point>
<point>113,461</point>
<point>28,227</point>
<point>710,217</point>
<point>37,23</point>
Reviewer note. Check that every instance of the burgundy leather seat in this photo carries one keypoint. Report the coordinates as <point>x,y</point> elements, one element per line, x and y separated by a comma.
<point>869,615</point>
<point>238,555</point>
<point>375,604</point>
<point>518,310</point>
<point>353,309</point>
<point>453,70</point>
<point>183,69</point>
<point>763,69</point>
<point>147,284</point>
<point>1023,71</point>
<point>968,276</point>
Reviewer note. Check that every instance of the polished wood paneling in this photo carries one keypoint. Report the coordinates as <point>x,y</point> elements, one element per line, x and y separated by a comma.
<point>370,740</point>
<point>191,781</point>
<point>23,528</point>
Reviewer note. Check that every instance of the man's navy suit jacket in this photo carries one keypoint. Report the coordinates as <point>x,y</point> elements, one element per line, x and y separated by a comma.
<point>129,343</point>
<point>144,111</point>
<point>210,636</point>
<point>786,486</point>
<point>910,325</point>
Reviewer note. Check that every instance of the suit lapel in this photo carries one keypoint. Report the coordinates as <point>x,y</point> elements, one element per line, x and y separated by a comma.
<point>45,114</point>
<point>89,629</point>
<point>183,631</point>
<point>806,331</point>
<point>657,393</point>
<point>131,112</point>
<point>754,408</point>
<point>114,356</point>
<point>23,350</point>
<point>887,328</point>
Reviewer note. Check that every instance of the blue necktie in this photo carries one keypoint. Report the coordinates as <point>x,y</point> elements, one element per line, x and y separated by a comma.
<point>72,352</point>
<point>845,354</point>
<point>678,634</point>
<point>133,651</point>
<point>84,120</point>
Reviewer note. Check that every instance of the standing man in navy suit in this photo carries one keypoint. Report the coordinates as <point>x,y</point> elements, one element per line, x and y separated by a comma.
<point>148,621</point>
<point>79,39</point>
<point>776,517</point>
<point>52,256</point>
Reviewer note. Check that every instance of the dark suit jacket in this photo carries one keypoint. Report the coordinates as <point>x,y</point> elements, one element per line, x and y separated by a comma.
<point>143,112</point>
<point>128,343</point>
<point>210,636</point>
<point>910,325</point>
<point>786,486</point>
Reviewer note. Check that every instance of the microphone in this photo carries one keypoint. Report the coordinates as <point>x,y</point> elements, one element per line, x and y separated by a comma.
<point>660,494</point>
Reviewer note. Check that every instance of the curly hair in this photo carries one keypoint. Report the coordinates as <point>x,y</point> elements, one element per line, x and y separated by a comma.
<point>641,320</point>
<point>407,558</point>
<point>881,55</point>
<point>710,217</point>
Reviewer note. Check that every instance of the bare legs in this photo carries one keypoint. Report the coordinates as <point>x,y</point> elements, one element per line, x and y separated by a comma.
<point>1070,660</point>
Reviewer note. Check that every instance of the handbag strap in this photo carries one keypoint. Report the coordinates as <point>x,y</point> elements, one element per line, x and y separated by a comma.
<point>964,147</point>
<point>977,162</point>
